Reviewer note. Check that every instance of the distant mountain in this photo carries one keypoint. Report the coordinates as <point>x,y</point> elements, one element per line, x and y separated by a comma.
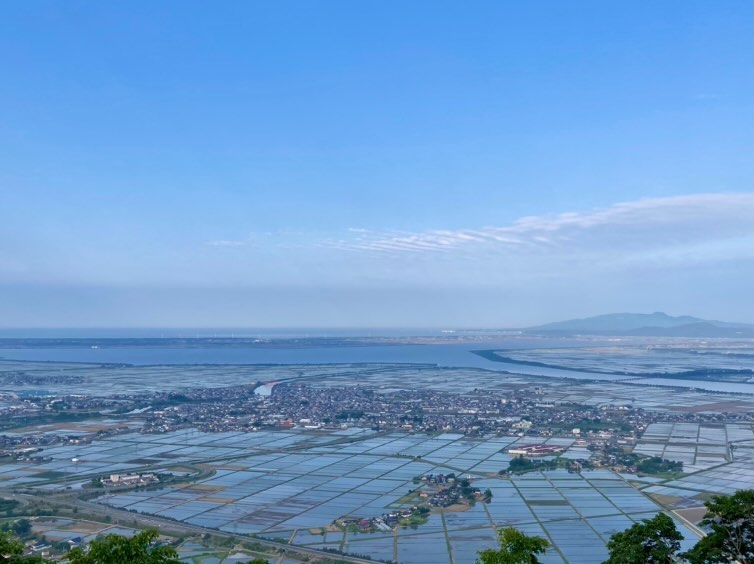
<point>656,324</point>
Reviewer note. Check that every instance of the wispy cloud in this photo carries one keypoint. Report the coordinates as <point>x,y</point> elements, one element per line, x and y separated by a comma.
<point>707,96</point>
<point>624,241</point>
<point>227,243</point>
<point>649,222</point>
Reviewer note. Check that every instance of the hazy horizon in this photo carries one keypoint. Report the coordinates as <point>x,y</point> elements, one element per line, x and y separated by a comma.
<point>283,331</point>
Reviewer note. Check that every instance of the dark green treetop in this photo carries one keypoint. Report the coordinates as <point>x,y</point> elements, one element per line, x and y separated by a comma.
<point>139,549</point>
<point>652,541</point>
<point>515,548</point>
<point>731,519</point>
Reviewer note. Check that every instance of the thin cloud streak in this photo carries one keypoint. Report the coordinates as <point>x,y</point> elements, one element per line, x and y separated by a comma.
<point>650,221</point>
<point>226,243</point>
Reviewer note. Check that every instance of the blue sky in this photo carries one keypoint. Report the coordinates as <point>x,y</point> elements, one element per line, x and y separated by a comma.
<point>373,163</point>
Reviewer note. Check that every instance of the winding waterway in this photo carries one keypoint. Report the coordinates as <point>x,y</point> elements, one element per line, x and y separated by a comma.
<point>451,355</point>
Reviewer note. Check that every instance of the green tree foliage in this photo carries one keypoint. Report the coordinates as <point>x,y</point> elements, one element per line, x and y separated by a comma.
<point>11,551</point>
<point>9,547</point>
<point>8,505</point>
<point>515,548</point>
<point>653,541</point>
<point>112,549</point>
<point>657,465</point>
<point>22,528</point>
<point>731,520</point>
<point>520,464</point>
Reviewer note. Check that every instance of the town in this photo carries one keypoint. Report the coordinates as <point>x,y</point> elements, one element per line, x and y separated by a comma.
<point>608,431</point>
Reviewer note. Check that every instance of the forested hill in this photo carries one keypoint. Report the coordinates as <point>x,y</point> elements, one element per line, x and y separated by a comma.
<point>656,324</point>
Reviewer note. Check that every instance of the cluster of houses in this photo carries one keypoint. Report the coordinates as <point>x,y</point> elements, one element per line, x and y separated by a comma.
<point>455,490</point>
<point>528,411</point>
<point>453,495</point>
<point>536,450</point>
<point>130,479</point>
<point>438,479</point>
<point>385,522</point>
